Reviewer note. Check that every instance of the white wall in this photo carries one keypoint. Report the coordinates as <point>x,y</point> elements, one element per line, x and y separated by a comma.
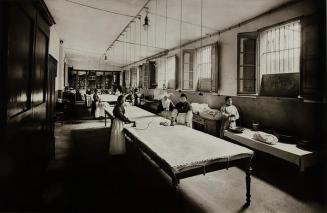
<point>228,43</point>
<point>57,51</point>
<point>54,43</point>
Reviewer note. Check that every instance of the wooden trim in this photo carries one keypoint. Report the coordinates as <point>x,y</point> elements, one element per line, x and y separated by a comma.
<point>40,4</point>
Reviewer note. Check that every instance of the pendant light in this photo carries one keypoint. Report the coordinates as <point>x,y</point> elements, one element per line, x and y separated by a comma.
<point>146,19</point>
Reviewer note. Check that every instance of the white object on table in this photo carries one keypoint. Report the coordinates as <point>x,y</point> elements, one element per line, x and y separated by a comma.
<point>289,152</point>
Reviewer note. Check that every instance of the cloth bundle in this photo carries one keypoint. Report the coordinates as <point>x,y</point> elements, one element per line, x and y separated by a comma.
<point>198,108</point>
<point>265,137</point>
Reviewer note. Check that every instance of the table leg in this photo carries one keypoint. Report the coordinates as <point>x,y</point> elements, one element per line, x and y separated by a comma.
<point>248,185</point>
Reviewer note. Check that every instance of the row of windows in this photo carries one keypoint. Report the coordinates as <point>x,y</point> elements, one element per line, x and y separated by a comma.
<point>275,50</point>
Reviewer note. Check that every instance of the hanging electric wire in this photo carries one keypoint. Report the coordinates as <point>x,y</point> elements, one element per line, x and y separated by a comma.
<point>180,39</point>
<point>201,47</point>
<point>166,44</point>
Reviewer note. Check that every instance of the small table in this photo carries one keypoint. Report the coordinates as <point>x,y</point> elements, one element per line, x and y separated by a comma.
<point>289,152</point>
<point>206,124</point>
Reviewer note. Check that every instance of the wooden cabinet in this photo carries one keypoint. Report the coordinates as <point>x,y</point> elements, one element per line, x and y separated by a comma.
<point>26,98</point>
<point>206,125</point>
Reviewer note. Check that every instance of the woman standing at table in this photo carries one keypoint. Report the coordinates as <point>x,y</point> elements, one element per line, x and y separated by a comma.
<point>117,137</point>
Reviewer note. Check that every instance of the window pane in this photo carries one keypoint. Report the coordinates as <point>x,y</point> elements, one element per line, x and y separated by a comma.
<point>203,68</point>
<point>171,72</point>
<point>280,49</point>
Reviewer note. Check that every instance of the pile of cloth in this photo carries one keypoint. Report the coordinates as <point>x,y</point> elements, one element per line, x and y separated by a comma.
<point>205,111</point>
<point>265,138</point>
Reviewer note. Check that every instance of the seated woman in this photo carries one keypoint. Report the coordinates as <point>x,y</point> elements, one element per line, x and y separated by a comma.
<point>117,137</point>
<point>183,112</point>
<point>117,93</point>
<point>230,115</point>
<point>165,107</point>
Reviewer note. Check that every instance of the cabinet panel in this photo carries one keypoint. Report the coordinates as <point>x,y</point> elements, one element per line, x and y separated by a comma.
<point>311,58</point>
<point>40,68</point>
<point>20,50</point>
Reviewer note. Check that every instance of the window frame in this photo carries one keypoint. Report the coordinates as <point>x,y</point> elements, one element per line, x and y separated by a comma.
<point>198,89</point>
<point>249,35</point>
<point>257,33</point>
<point>191,52</point>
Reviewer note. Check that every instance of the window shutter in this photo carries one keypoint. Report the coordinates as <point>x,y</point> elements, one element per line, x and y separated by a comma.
<point>214,67</point>
<point>246,63</point>
<point>311,57</point>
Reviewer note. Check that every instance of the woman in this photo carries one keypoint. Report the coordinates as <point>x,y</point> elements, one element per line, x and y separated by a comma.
<point>230,115</point>
<point>165,106</point>
<point>117,137</point>
<point>183,112</point>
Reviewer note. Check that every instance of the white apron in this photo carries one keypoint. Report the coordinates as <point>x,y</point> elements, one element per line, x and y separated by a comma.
<point>117,138</point>
<point>182,118</point>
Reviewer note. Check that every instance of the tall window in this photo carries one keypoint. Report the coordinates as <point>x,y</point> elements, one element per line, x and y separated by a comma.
<point>161,73</point>
<point>187,70</point>
<point>127,78</point>
<point>166,71</point>
<point>247,76</point>
<point>171,72</point>
<point>280,49</point>
<point>133,73</point>
<point>203,68</point>
<point>141,76</point>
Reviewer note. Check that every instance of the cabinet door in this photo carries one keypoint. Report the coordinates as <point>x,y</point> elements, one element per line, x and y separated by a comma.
<point>41,57</point>
<point>311,57</point>
<point>20,54</point>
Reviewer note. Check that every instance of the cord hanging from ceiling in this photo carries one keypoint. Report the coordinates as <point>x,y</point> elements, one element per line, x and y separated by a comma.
<point>166,44</point>
<point>180,40</point>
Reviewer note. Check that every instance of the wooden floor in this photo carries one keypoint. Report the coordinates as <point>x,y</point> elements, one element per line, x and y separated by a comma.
<point>84,178</point>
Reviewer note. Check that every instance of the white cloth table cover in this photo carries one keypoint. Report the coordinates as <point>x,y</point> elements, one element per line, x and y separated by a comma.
<point>108,98</point>
<point>180,146</point>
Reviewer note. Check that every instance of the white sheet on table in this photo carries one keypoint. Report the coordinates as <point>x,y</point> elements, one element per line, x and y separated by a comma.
<point>108,98</point>
<point>181,146</point>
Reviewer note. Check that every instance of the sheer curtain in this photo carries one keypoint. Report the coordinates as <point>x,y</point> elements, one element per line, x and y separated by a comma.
<point>280,49</point>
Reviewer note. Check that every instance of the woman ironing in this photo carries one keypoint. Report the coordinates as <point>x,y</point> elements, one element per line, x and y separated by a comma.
<point>117,137</point>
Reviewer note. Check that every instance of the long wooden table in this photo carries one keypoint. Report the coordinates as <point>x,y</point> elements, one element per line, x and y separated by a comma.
<point>184,152</point>
<point>289,152</point>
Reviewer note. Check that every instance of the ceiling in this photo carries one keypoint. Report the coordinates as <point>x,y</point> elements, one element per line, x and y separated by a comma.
<point>88,27</point>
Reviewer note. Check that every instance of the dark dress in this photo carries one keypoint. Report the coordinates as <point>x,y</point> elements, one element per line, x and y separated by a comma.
<point>183,107</point>
<point>119,112</point>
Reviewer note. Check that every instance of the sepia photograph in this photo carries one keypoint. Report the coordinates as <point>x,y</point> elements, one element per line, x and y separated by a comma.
<point>163,106</point>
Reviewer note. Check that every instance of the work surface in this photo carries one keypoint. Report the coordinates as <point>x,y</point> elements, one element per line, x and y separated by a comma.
<point>289,152</point>
<point>108,98</point>
<point>179,146</point>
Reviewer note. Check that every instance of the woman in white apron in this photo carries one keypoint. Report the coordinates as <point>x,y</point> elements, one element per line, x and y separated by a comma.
<point>183,112</point>
<point>165,107</point>
<point>117,137</point>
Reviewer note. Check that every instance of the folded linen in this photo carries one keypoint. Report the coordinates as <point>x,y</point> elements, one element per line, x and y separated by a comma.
<point>266,138</point>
